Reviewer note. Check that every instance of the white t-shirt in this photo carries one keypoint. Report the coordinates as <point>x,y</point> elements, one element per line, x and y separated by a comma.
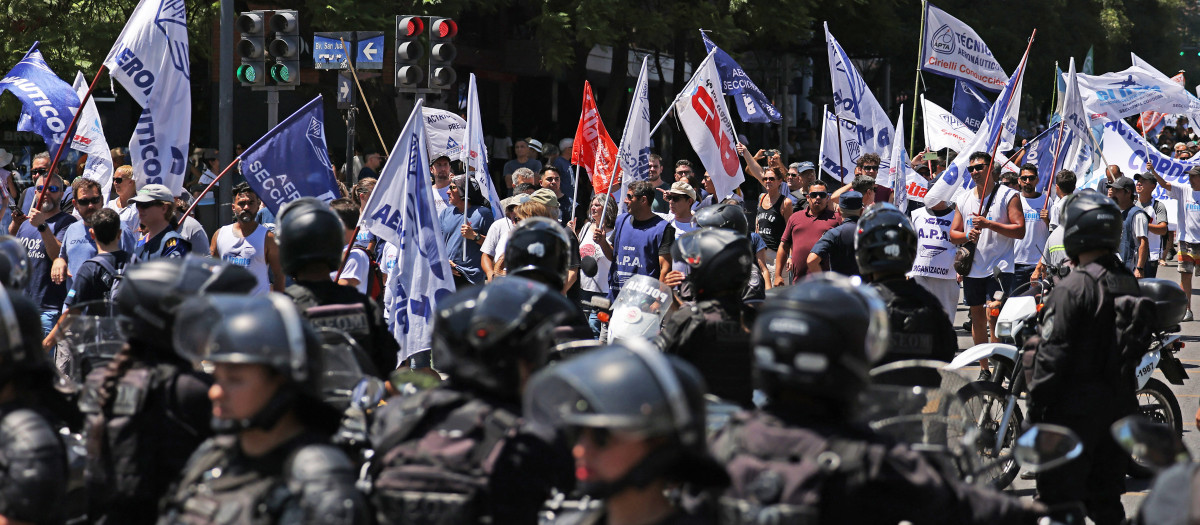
<point>443,199</point>
<point>1154,239</point>
<point>589,248</point>
<point>935,252</point>
<point>1056,212</point>
<point>680,226</point>
<point>497,238</point>
<point>1029,248</point>
<point>357,266</point>
<point>993,250</point>
<point>1189,211</point>
<point>129,214</point>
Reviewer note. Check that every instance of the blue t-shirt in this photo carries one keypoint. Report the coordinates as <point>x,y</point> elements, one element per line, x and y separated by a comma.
<point>451,220</point>
<point>78,246</point>
<point>757,242</point>
<point>637,246</point>
<point>92,281</point>
<point>42,290</point>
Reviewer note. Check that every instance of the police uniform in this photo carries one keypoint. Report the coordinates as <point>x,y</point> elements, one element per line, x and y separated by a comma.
<point>919,327</point>
<point>330,304</point>
<point>1077,382</point>
<point>33,486</point>
<point>167,244</point>
<point>710,335</point>
<point>836,247</point>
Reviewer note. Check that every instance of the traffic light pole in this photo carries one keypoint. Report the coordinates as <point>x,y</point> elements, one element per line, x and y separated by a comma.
<point>272,108</point>
<point>225,112</point>
<point>350,127</point>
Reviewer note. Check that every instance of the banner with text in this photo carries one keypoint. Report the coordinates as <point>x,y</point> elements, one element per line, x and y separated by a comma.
<point>291,160</point>
<point>952,49</point>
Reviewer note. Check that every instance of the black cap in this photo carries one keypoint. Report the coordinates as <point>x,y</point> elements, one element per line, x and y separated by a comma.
<point>1123,183</point>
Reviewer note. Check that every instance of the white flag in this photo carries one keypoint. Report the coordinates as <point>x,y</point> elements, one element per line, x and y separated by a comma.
<point>854,101</point>
<point>447,133</point>
<point>89,138</point>
<point>952,49</point>
<point>896,175</point>
<point>840,150</point>
<point>634,151</point>
<point>475,155</point>
<point>150,59</point>
<point>401,212</point>
<point>1117,95</point>
<point>701,110</point>
<point>943,129</point>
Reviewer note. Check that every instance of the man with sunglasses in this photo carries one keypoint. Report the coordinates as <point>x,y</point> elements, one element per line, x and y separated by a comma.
<point>78,245</point>
<point>124,187</point>
<point>38,167</point>
<point>803,230</point>
<point>42,233</point>
<point>641,242</point>
<point>1037,225</point>
<point>866,170</point>
<point>156,210</point>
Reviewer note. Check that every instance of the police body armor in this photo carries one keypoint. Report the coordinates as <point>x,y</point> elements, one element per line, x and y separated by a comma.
<point>350,318</point>
<point>713,340</point>
<point>913,332</point>
<point>779,473</point>
<point>33,461</point>
<point>434,459</point>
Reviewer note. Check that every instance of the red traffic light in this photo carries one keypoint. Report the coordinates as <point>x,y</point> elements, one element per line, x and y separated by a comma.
<point>444,28</point>
<point>410,26</point>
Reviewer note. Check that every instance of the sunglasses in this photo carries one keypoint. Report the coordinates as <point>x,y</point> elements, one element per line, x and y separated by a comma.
<point>818,194</point>
<point>452,187</point>
<point>976,167</point>
<point>118,180</point>
<point>88,202</point>
<point>871,168</point>
<point>684,172</point>
<point>1028,177</point>
<point>769,179</point>
<point>146,205</point>
<point>52,189</point>
<point>39,171</point>
<point>674,198</point>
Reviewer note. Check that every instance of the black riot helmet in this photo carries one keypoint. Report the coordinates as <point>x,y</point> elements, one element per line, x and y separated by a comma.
<point>482,332</point>
<point>21,354</point>
<point>14,264</point>
<point>818,340</point>
<point>539,249</point>
<point>1092,221</point>
<point>885,241</point>
<point>150,293</point>
<point>634,388</point>
<point>719,261</point>
<point>307,230</point>
<point>723,215</point>
<point>264,330</point>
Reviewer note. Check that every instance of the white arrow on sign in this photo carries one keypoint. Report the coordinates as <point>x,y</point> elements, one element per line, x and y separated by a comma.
<point>370,50</point>
<point>344,91</point>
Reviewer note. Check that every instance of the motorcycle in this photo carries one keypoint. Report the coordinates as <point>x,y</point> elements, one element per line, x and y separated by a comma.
<point>638,311</point>
<point>1159,449</point>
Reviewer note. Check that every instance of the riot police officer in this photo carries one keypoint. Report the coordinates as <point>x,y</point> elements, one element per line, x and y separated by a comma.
<point>311,242</point>
<point>540,249</point>
<point>459,452</point>
<point>885,247</point>
<point>710,334</point>
<point>271,461</point>
<point>1079,379</point>
<point>33,482</point>
<point>731,217</point>
<point>636,418</point>
<point>146,409</point>
<point>14,264</point>
<point>799,459</point>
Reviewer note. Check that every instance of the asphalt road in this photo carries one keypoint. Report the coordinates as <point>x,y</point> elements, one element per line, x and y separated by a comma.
<point>1188,394</point>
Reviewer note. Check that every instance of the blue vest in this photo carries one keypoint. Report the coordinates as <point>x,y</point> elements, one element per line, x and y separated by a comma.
<point>1128,247</point>
<point>635,250</point>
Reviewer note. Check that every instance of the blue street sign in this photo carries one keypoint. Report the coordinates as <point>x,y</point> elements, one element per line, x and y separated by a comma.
<point>327,49</point>
<point>370,50</point>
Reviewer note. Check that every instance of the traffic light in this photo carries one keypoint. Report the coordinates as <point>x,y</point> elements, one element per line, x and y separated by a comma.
<point>252,49</point>
<point>409,51</point>
<point>442,52</point>
<point>285,48</point>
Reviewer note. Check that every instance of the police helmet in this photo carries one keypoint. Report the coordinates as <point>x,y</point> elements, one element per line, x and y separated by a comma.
<point>482,332</point>
<point>150,293</point>
<point>539,249</point>
<point>20,338</point>
<point>1092,221</point>
<point>723,215</point>
<point>719,261</point>
<point>14,264</point>
<point>308,231</point>
<point>631,387</point>
<point>819,339</point>
<point>885,241</point>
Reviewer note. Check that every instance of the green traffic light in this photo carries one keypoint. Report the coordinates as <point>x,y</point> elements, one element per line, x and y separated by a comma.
<point>281,73</point>
<point>247,73</point>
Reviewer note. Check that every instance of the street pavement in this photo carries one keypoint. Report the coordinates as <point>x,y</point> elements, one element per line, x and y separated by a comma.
<point>1188,395</point>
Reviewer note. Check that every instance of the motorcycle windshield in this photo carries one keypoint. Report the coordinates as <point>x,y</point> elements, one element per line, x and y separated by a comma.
<point>639,308</point>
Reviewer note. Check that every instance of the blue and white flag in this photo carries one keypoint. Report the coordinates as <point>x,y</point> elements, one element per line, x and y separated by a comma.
<point>475,155</point>
<point>47,103</point>
<point>1117,95</point>
<point>1125,148</point>
<point>89,138</point>
<point>969,105</point>
<point>291,160</point>
<point>952,49</point>
<point>1002,115</point>
<point>840,149</point>
<point>752,104</point>
<point>634,152</point>
<point>401,211</point>
<point>853,100</point>
<point>1039,151</point>
<point>897,174</point>
<point>150,59</point>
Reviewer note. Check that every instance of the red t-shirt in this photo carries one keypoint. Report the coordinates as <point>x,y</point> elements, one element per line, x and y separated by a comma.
<point>803,231</point>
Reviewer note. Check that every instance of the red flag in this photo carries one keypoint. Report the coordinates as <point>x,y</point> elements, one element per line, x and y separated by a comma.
<point>593,148</point>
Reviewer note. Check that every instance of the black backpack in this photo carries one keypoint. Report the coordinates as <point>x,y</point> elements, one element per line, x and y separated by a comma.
<point>433,467</point>
<point>1135,318</point>
<point>114,275</point>
<point>913,327</point>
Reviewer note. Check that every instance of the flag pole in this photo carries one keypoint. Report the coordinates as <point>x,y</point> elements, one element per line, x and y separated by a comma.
<point>996,145</point>
<point>1054,164</point>
<point>575,196</point>
<point>917,77</point>
<point>841,161</point>
<point>354,74</point>
<point>69,136</point>
<point>821,148</point>
<point>206,190</point>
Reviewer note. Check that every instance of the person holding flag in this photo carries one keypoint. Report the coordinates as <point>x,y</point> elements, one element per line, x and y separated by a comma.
<point>466,265</point>
<point>42,234</point>
<point>641,241</point>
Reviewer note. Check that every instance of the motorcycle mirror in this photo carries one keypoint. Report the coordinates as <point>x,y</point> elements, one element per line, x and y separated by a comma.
<point>588,266</point>
<point>367,393</point>
<point>1047,446</point>
<point>1153,445</point>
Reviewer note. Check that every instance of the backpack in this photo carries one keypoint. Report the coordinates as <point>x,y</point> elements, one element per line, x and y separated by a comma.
<point>374,277</point>
<point>116,274</point>
<point>434,465</point>
<point>1135,318</point>
<point>913,330</point>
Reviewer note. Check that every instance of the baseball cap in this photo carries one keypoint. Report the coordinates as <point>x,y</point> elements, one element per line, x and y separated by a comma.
<point>440,157</point>
<point>153,193</point>
<point>1123,183</point>
<point>534,144</point>
<point>683,188</point>
<point>805,166</point>
<point>1144,176</point>
<point>545,196</point>
<point>461,180</point>
<point>515,200</point>
<point>851,200</point>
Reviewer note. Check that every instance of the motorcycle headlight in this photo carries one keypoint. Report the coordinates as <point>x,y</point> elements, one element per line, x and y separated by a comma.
<point>1004,329</point>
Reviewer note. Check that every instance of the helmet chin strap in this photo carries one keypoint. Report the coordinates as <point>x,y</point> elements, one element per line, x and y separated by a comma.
<point>640,476</point>
<point>265,419</point>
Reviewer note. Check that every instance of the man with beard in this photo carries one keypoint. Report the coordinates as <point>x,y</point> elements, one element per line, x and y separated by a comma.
<point>247,245</point>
